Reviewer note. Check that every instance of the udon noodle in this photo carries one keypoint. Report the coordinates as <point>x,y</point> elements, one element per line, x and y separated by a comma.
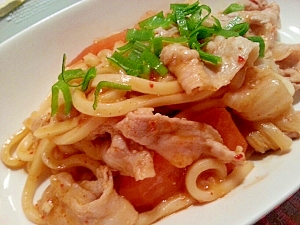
<point>143,146</point>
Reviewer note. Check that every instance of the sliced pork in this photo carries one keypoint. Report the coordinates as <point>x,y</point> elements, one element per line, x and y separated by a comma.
<point>87,202</point>
<point>129,158</point>
<point>194,75</point>
<point>126,156</point>
<point>287,57</point>
<point>186,65</point>
<point>263,18</point>
<point>178,140</point>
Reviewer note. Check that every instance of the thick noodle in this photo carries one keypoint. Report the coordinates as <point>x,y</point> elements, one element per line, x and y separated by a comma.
<point>88,153</point>
<point>222,183</point>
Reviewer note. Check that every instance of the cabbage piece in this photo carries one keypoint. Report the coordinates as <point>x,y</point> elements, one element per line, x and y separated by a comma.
<point>262,96</point>
<point>267,136</point>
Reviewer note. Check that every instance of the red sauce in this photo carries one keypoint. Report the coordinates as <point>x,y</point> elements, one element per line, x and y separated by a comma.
<point>241,59</point>
<point>239,156</point>
<point>152,125</point>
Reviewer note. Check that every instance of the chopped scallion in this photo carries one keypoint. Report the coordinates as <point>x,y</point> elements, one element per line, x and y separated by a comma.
<point>261,43</point>
<point>136,51</point>
<point>192,8</point>
<point>69,75</point>
<point>64,88</point>
<point>181,22</point>
<point>175,6</point>
<point>63,85</point>
<point>108,84</point>
<point>169,40</point>
<point>125,48</point>
<point>91,74</point>
<point>157,45</point>
<point>234,7</point>
<point>233,22</point>
<point>213,59</point>
<point>131,67</point>
<point>154,62</point>
<point>155,21</point>
<point>241,28</point>
<point>226,33</point>
<point>139,35</point>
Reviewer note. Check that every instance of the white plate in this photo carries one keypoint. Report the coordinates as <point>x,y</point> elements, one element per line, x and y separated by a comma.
<point>30,62</point>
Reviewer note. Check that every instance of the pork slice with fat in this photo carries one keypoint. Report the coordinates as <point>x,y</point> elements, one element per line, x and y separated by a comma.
<point>178,140</point>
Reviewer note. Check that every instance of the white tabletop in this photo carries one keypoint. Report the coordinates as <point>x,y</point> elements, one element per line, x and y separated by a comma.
<point>29,13</point>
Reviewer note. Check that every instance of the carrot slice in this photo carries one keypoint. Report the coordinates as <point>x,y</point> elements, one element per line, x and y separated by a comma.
<point>221,120</point>
<point>146,194</point>
<point>106,43</point>
<point>169,180</point>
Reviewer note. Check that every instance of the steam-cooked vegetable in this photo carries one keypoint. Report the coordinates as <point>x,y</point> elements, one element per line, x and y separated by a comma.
<point>262,96</point>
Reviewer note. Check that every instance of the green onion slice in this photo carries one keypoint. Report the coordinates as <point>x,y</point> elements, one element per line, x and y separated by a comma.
<point>241,28</point>
<point>108,84</point>
<point>139,35</point>
<point>125,48</point>
<point>154,62</point>
<point>181,22</point>
<point>261,42</point>
<point>136,51</point>
<point>175,6</point>
<point>131,67</point>
<point>63,85</point>
<point>233,22</point>
<point>157,43</point>
<point>64,88</point>
<point>192,8</point>
<point>213,59</point>
<point>91,74</point>
<point>156,21</point>
<point>234,7</point>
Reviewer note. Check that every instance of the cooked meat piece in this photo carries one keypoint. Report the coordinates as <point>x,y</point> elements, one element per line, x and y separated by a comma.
<point>87,202</point>
<point>178,140</point>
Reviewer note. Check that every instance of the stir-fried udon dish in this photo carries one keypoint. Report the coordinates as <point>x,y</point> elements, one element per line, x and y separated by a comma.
<point>161,116</point>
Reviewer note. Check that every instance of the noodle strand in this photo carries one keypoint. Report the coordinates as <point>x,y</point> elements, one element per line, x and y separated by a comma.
<point>8,147</point>
<point>31,184</point>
